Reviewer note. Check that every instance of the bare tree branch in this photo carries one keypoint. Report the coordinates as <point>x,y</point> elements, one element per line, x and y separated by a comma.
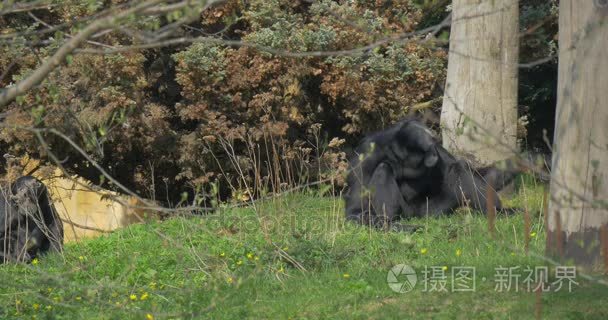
<point>10,93</point>
<point>400,38</point>
<point>24,7</point>
<point>68,35</point>
<point>109,22</point>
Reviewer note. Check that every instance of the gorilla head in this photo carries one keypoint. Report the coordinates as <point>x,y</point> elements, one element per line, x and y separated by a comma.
<point>27,193</point>
<point>412,150</point>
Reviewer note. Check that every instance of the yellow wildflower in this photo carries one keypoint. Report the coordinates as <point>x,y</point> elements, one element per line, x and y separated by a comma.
<point>423,251</point>
<point>133,297</point>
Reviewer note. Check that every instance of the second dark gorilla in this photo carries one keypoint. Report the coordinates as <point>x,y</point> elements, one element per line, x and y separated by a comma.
<point>29,223</point>
<point>403,172</point>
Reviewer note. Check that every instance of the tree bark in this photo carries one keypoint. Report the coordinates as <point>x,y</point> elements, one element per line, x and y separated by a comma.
<point>578,208</point>
<point>479,113</point>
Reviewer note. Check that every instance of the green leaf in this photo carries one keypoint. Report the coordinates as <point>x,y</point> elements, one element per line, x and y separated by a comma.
<point>102,131</point>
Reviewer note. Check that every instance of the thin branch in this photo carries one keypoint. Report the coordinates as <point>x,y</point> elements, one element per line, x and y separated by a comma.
<point>68,35</point>
<point>10,93</point>
<point>23,7</point>
<point>81,226</point>
<point>400,38</point>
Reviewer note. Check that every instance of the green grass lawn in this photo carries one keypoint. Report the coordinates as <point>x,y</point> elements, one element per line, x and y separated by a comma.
<point>293,258</point>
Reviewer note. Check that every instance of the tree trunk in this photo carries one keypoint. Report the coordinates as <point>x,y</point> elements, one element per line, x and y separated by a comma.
<point>578,209</point>
<point>479,113</point>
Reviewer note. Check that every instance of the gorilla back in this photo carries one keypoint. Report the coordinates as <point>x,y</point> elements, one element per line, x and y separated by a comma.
<point>29,223</point>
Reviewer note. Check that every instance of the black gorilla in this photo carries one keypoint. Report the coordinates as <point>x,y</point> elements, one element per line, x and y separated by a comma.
<point>404,172</point>
<point>29,223</point>
<point>381,164</point>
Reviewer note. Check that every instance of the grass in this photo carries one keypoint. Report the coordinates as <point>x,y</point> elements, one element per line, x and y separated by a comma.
<point>291,258</point>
